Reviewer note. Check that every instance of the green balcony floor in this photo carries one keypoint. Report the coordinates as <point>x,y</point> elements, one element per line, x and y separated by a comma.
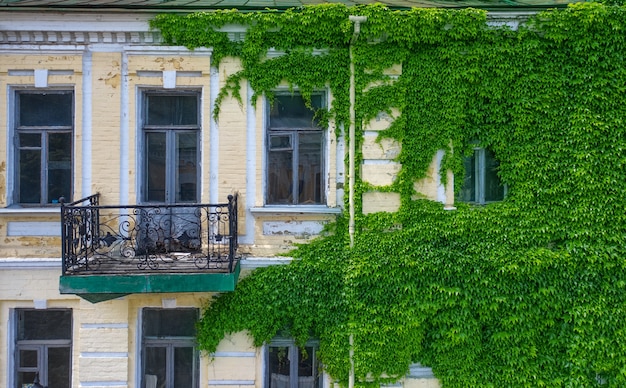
<point>98,288</point>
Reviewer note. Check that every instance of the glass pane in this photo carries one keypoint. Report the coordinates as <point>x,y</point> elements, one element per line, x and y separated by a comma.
<point>44,324</point>
<point>167,110</point>
<point>155,166</point>
<point>280,177</point>
<point>468,190</point>
<point>310,172</point>
<point>169,322</point>
<point>280,142</point>
<point>187,162</point>
<point>28,358</point>
<point>183,367</point>
<point>30,140</point>
<point>308,376</point>
<point>59,166</point>
<point>24,378</point>
<point>156,366</point>
<point>30,176</point>
<point>59,362</point>
<point>494,190</point>
<point>45,109</point>
<point>279,365</point>
<point>290,111</point>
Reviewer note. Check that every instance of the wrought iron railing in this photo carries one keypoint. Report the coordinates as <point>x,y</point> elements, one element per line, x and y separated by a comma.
<point>100,239</point>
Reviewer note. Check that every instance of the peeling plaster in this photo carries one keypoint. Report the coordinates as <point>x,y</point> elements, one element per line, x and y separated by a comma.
<point>59,58</point>
<point>112,80</point>
<point>175,62</point>
<point>301,229</point>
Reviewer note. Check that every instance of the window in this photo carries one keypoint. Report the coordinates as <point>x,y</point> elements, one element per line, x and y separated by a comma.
<point>44,122</point>
<point>43,347</point>
<point>481,183</point>
<point>295,151</point>
<point>291,367</point>
<point>171,133</point>
<point>169,357</point>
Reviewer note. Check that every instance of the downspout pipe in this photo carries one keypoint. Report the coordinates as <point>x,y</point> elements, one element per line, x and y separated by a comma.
<point>357,20</point>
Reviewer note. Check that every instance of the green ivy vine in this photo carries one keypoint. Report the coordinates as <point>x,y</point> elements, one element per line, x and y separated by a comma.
<point>530,291</point>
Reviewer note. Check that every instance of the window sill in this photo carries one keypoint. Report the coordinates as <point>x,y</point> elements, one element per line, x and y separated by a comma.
<point>30,211</point>
<point>303,209</point>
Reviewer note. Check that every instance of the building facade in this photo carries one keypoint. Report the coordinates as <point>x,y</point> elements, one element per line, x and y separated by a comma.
<point>124,205</point>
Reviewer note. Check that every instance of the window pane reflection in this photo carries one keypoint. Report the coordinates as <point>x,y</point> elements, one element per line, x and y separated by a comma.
<point>186,165</point>
<point>156,364</point>
<point>59,366</point>
<point>279,366</point>
<point>155,166</point>
<point>59,166</point>
<point>30,176</point>
<point>45,109</point>
<point>183,367</point>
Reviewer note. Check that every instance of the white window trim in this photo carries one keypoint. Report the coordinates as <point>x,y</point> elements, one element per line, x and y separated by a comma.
<point>140,141</point>
<point>282,341</point>
<point>11,339</point>
<point>13,207</point>
<point>18,210</point>
<point>296,209</point>
<point>480,155</point>
<point>139,346</point>
<point>11,362</point>
<point>307,208</point>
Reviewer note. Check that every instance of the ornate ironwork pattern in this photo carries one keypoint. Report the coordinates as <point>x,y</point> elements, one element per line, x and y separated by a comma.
<point>172,238</point>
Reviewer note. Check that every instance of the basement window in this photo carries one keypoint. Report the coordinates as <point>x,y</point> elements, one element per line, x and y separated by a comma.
<point>43,348</point>
<point>289,366</point>
<point>170,359</point>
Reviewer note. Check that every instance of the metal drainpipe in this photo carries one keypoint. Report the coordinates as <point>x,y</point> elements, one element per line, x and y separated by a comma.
<point>357,20</point>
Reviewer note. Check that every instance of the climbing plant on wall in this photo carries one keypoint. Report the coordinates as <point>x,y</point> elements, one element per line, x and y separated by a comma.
<point>525,292</point>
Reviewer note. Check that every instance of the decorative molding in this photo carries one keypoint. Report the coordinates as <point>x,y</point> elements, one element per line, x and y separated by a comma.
<point>79,37</point>
<point>259,262</point>
<point>29,263</point>
<point>30,211</point>
<point>296,209</point>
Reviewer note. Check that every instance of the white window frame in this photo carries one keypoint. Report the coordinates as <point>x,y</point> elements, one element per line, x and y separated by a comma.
<point>293,348</point>
<point>41,346</point>
<point>164,341</point>
<point>170,197</point>
<point>324,157</point>
<point>480,167</point>
<point>13,149</point>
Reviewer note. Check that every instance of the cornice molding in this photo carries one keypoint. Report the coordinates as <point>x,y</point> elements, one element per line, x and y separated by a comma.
<point>65,38</point>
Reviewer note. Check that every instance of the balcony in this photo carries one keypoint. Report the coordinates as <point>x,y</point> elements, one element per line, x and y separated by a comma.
<point>112,251</point>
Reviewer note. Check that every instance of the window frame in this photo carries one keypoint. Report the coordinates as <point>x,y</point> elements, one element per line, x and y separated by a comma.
<point>41,346</point>
<point>481,156</point>
<point>293,134</point>
<point>170,343</point>
<point>44,152</point>
<point>293,366</point>
<point>171,132</point>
